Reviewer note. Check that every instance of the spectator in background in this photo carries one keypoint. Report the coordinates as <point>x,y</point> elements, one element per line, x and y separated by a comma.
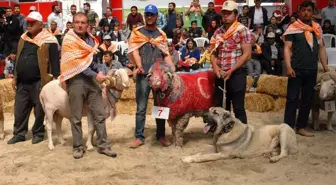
<point>258,14</point>
<point>173,54</point>
<point>105,31</point>
<point>190,56</point>
<point>244,18</point>
<point>134,17</point>
<point>10,62</point>
<point>212,28</point>
<point>67,27</point>
<point>178,26</point>
<point>124,32</point>
<point>329,13</point>
<point>108,20</point>
<point>317,16</point>
<point>271,58</point>
<point>195,13</point>
<point>106,46</point>
<point>11,32</point>
<point>20,17</point>
<point>292,19</point>
<point>161,21</point>
<point>327,28</point>
<point>92,15</point>
<point>210,15</point>
<point>195,31</point>
<point>253,65</point>
<point>56,16</point>
<point>171,17</point>
<point>69,17</point>
<point>109,63</point>
<point>115,33</point>
<point>258,34</point>
<point>54,30</point>
<point>93,31</point>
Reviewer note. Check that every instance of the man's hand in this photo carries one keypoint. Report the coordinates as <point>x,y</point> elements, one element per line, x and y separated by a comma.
<point>139,70</point>
<point>326,69</point>
<point>228,74</point>
<point>290,72</point>
<point>100,77</point>
<point>14,84</point>
<point>217,71</point>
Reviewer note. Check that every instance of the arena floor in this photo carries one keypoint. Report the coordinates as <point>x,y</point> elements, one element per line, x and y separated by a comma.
<point>152,164</point>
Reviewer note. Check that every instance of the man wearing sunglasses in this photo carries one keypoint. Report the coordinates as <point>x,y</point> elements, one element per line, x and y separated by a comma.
<point>148,44</point>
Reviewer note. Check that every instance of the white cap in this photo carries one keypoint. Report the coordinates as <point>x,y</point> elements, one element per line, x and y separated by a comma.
<point>34,16</point>
<point>230,6</point>
<point>107,37</point>
<point>271,35</point>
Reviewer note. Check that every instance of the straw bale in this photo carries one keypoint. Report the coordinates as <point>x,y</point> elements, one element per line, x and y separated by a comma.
<point>129,107</point>
<point>249,83</point>
<point>279,104</point>
<point>257,102</point>
<point>6,90</point>
<point>272,85</point>
<point>129,94</point>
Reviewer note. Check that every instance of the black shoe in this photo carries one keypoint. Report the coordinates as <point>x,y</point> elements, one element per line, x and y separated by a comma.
<point>37,139</point>
<point>78,153</point>
<point>15,139</point>
<point>107,152</point>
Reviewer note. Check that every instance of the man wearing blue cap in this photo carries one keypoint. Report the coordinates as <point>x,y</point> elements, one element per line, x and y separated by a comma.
<point>147,45</point>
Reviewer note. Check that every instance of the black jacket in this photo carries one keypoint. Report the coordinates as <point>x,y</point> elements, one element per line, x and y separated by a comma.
<point>267,52</point>
<point>12,29</point>
<point>251,15</point>
<point>104,22</point>
<point>208,17</point>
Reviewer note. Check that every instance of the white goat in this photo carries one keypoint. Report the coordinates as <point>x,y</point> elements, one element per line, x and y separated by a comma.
<point>55,102</point>
<point>325,91</point>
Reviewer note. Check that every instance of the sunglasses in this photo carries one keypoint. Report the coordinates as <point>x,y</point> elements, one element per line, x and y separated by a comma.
<point>149,14</point>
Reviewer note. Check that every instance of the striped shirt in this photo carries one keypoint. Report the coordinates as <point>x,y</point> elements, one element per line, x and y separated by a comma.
<point>230,50</point>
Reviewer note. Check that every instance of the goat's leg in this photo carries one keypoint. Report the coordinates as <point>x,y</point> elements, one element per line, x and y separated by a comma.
<point>182,123</point>
<point>58,121</point>
<point>329,126</point>
<point>48,124</point>
<point>91,130</point>
<point>172,124</point>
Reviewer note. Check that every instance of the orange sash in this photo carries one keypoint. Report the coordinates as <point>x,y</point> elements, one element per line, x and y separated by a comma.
<point>76,55</point>
<point>43,37</point>
<point>300,27</point>
<point>112,47</point>
<point>138,39</point>
<point>56,32</point>
<point>215,42</point>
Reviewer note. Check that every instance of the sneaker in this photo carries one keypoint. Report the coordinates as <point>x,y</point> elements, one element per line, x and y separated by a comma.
<point>78,153</point>
<point>107,152</point>
<point>37,139</point>
<point>136,143</point>
<point>305,133</point>
<point>164,142</point>
<point>15,139</point>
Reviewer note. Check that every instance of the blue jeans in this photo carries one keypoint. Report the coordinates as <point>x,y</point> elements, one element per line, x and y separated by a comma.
<point>304,82</point>
<point>142,93</point>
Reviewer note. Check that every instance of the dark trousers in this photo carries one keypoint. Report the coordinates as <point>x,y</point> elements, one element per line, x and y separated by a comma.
<point>82,89</point>
<point>275,69</point>
<point>142,92</point>
<point>304,82</point>
<point>235,93</point>
<point>27,97</point>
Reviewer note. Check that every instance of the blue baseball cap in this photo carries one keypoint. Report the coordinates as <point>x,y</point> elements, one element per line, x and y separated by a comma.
<point>151,9</point>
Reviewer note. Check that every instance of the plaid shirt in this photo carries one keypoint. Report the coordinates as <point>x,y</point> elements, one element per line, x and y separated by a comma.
<point>229,52</point>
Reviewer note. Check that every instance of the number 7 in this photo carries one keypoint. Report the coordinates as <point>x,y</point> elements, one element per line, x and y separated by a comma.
<point>160,111</point>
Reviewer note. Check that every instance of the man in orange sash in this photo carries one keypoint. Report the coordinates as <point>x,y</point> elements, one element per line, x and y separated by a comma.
<point>147,45</point>
<point>231,49</point>
<point>303,48</point>
<point>37,52</point>
<point>81,71</point>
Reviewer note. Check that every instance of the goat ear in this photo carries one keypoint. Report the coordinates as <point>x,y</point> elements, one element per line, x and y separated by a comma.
<point>318,86</point>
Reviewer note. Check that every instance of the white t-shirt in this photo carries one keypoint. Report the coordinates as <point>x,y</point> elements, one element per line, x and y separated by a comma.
<point>258,16</point>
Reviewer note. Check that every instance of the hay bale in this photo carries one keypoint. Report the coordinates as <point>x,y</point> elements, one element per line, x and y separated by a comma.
<point>129,107</point>
<point>272,85</point>
<point>129,94</point>
<point>257,102</point>
<point>279,104</point>
<point>249,83</point>
<point>6,90</point>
